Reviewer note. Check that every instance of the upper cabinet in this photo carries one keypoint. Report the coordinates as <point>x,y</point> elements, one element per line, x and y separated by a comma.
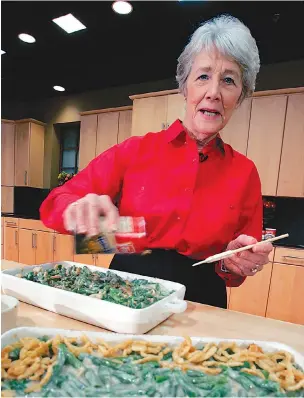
<point>152,113</point>
<point>7,152</point>
<point>29,153</point>
<point>266,137</point>
<point>291,176</point>
<point>100,130</point>
<point>236,131</point>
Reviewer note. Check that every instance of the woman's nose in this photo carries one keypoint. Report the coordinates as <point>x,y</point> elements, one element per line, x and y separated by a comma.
<point>213,90</point>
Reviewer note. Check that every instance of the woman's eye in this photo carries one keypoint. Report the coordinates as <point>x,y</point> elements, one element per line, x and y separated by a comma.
<point>229,80</point>
<point>203,77</point>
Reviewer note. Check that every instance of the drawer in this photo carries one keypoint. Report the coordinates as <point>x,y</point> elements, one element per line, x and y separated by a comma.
<point>11,222</point>
<point>33,224</point>
<point>286,255</point>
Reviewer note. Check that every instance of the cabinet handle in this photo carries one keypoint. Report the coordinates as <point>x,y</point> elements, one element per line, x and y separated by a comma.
<point>25,178</point>
<point>163,126</point>
<point>294,257</point>
<point>16,238</point>
<point>54,243</point>
<point>33,241</point>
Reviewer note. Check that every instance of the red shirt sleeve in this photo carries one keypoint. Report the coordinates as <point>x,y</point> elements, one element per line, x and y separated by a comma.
<point>250,223</point>
<point>103,176</point>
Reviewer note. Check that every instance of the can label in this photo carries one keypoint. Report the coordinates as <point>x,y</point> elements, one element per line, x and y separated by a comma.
<point>129,230</point>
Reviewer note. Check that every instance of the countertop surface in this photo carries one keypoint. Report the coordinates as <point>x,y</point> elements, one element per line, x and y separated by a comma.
<point>198,320</point>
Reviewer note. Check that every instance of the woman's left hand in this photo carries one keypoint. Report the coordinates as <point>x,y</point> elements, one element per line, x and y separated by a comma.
<point>248,262</point>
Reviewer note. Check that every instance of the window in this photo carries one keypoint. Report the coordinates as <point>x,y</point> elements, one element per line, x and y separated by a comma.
<point>69,134</point>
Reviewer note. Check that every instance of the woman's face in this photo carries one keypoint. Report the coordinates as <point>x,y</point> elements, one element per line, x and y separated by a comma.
<point>213,89</point>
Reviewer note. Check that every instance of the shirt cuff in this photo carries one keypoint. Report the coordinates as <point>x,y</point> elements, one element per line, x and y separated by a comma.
<point>231,280</point>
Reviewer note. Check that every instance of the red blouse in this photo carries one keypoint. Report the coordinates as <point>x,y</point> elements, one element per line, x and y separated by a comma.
<point>194,207</point>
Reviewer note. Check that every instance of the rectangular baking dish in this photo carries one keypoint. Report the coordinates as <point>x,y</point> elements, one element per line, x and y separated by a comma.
<point>267,346</point>
<point>104,314</point>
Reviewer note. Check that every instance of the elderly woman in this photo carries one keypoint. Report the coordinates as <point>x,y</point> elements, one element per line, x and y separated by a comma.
<point>198,195</point>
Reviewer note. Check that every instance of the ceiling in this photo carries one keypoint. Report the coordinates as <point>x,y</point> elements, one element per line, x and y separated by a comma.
<point>118,49</point>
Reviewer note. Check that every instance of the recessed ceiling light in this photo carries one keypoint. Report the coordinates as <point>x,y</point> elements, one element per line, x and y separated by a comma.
<point>27,38</point>
<point>69,23</point>
<point>2,52</point>
<point>122,7</point>
<point>59,88</point>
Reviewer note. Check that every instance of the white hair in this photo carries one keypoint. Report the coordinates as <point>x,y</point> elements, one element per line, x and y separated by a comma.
<point>232,39</point>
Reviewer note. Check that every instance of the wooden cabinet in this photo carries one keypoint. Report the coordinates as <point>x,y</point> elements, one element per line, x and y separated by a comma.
<point>291,176</point>
<point>236,131</point>
<point>107,131</point>
<point>7,152</point>
<point>155,113</point>
<point>124,126</point>
<point>7,199</point>
<point>27,250</point>
<point>36,247</point>
<point>286,255</point>
<point>175,108</point>
<point>87,142</point>
<point>29,153</point>
<point>44,242</point>
<point>85,258</point>
<point>11,243</point>
<point>265,139</point>
<point>286,298</point>
<point>100,130</point>
<point>63,246</point>
<point>251,297</point>
<point>103,260</point>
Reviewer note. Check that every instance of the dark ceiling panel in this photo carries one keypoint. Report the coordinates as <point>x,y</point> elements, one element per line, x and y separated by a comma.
<point>124,49</point>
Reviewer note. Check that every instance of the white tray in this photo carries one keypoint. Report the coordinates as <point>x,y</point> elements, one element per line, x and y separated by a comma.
<point>115,317</point>
<point>15,334</point>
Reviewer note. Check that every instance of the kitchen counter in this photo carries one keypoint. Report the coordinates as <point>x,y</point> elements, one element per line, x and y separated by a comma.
<point>198,320</point>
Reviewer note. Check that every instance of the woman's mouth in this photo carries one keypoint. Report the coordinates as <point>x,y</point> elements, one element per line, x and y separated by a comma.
<point>210,114</point>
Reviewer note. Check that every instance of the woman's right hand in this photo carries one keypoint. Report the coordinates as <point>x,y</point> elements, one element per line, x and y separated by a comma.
<point>83,216</point>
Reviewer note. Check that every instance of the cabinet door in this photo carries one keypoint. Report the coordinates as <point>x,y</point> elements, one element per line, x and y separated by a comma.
<point>176,108</point>
<point>7,153</point>
<point>265,139</point>
<point>251,297</point>
<point>124,126</point>
<point>63,247</point>
<point>291,177</point>
<point>22,154</point>
<point>7,199</point>
<point>44,247</point>
<point>107,131</point>
<point>286,298</point>
<point>103,260</point>
<point>27,251</point>
<point>85,259</point>
<point>87,143</point>
<point>11,244</point>
<point>149,114</point>
<point>236,131</point>
<point>35,173</point>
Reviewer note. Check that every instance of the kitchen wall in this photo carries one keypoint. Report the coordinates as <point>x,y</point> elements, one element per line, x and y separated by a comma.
<point>66,108</point>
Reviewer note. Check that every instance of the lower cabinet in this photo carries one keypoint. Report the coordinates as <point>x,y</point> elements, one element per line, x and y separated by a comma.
<point>36,247</point>
<point>286,294</point>
<point>251,297</point>
<point>63,247</point>
<point>85,258</point>
<point>11,243</point>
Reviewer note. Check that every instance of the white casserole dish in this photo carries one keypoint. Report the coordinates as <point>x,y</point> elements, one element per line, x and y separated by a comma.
<point>267,346</point>
<point>115,317</point>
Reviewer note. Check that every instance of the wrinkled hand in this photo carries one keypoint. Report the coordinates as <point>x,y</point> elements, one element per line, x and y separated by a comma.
<point>83,216</point>
<point>248,262</point>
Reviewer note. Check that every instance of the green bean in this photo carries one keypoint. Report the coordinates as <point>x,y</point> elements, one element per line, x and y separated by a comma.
<point>220,391</point>
<point>92,378</point>
<point>267,384</point>
<point>14,354</point>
